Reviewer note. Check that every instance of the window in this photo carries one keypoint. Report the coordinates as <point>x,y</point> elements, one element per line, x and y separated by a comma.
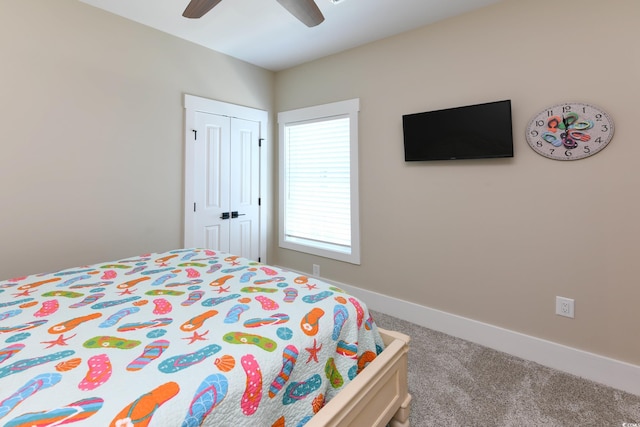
<point>319,210</point>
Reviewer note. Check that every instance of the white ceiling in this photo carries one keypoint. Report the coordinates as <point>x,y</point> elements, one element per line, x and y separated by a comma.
<point>263,33</point>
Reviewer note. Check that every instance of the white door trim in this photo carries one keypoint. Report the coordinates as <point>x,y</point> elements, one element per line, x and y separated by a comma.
<point>193,104</point>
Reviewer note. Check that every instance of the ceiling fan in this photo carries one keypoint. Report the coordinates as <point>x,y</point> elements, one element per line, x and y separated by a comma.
<point>306,11</point>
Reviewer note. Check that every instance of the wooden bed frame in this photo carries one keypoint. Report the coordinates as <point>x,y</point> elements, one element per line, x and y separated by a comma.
<point>378,396</point>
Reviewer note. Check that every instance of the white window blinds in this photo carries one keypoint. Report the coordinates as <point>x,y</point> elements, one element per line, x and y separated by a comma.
<point>319,183</point>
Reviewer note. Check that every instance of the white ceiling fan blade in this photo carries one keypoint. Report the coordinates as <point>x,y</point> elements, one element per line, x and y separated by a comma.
<point>306,11</point>
<point>198,8</point>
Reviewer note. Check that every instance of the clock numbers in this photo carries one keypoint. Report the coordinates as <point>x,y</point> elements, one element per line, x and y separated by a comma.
<point>568,131</point>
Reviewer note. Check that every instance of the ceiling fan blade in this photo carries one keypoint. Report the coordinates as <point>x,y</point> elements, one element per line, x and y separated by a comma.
<point>198,8</point>
<point>306,11</point>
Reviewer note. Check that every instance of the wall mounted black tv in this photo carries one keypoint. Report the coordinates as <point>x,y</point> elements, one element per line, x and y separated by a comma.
<point>480,131</point>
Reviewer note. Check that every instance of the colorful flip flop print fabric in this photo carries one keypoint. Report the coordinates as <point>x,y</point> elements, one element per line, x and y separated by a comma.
<point>189,337</point>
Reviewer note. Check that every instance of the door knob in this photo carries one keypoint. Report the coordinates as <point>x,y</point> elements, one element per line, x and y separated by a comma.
<point>225,215</point>
<point>235,214</point>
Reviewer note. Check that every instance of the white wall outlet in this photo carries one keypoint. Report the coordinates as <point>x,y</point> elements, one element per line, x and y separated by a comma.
<point>316,270</point>
<point>565,307</point>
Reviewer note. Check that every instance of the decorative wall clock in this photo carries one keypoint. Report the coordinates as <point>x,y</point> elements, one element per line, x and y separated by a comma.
<point>569,131</point>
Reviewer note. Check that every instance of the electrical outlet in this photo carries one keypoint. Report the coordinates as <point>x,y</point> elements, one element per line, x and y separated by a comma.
<point>316,270</point>
<point>565,307</point>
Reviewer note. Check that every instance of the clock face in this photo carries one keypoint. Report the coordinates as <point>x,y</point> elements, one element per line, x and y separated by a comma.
<point>570,131</point>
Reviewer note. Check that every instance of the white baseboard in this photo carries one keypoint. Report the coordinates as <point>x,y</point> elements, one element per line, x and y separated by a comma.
<point>604,370</point>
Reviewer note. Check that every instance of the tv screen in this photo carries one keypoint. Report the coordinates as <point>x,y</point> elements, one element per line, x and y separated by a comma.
<point>478,131</point>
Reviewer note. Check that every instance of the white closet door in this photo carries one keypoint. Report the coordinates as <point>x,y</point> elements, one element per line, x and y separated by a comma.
<point>244,194</point>
<point>226,172</point>
<point>227,184</point>
<point>211,184</point>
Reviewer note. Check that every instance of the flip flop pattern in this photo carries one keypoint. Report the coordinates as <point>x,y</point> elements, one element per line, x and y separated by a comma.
<point>190,337</point>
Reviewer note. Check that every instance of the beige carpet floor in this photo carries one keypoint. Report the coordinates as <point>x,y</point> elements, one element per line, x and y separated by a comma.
<point>458,383</point>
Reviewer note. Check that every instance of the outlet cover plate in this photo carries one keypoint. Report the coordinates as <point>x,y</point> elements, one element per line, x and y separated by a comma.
<point>565,307</point>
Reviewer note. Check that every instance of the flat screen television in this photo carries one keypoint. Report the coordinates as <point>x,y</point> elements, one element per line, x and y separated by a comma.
<point>478,131</point>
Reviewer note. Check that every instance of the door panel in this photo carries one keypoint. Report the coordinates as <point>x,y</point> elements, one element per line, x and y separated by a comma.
<point>212,237</point>
<point>243,243</point>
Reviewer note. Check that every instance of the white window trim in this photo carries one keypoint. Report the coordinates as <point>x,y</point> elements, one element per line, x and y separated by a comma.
<point>342,108</point>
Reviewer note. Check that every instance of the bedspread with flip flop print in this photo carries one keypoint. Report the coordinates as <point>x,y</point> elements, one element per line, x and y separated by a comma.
<point>190,337</point>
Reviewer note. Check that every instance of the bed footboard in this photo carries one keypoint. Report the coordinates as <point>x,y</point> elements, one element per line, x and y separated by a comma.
<point>378,396</point>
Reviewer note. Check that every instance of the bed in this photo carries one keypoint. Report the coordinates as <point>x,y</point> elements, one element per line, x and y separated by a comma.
<point>194,337</point>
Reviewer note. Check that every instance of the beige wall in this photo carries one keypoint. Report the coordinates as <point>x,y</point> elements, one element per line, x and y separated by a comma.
<point>91,135</point>
<point>497,240</point>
